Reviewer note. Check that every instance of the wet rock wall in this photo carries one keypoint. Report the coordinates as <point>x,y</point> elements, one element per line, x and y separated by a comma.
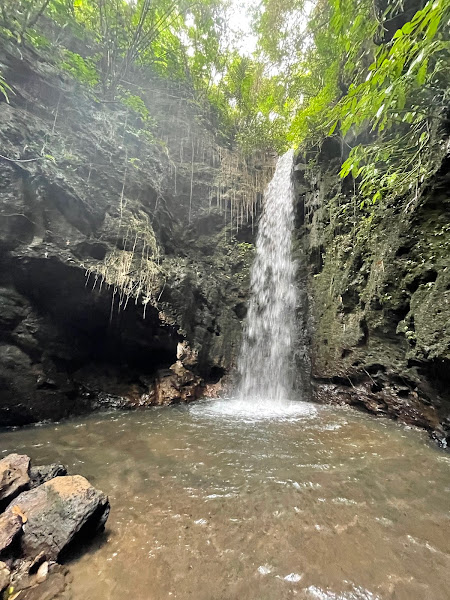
<point>379,294</point>
<point>88,201</point>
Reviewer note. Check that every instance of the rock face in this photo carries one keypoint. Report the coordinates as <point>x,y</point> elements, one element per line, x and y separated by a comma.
<point>39,523</point>
<point>100,205</point>
<point>379,295</point>
<point>177,384</point>
<point>56,512</point>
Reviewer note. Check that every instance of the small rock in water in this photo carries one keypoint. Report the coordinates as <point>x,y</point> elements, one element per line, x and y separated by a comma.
<point>42,473</point>
<point>42,572</point>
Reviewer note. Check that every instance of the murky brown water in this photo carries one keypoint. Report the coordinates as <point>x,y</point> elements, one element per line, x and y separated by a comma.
<point>207,506</point>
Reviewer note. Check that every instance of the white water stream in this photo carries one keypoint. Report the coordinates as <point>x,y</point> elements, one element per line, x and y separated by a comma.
<point>266,359</point>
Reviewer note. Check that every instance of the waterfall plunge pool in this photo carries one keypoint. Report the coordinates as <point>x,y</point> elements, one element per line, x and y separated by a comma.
<point>215,501</point>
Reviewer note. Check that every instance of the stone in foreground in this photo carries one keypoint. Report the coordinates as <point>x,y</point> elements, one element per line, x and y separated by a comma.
<point>14,475</point>
<point>42,473</point>
<point>5,574</point>
<point>51,589</point>
<point>56,512</point>
<point>10,525</point>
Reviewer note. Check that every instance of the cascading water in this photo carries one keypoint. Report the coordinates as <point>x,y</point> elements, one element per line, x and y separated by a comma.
<point>265,363</point>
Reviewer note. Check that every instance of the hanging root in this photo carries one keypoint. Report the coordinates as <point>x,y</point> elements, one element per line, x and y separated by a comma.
<point>133,270</point>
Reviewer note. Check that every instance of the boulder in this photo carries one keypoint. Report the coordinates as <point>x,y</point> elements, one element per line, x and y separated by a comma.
<point>52,588</point>
<point>177,384</point>
<point>56,512</point>
<point>5,574</point>
<point>187,356</point>
<point>42,473</point>
<point>14,475</point>
<point>10,525</point>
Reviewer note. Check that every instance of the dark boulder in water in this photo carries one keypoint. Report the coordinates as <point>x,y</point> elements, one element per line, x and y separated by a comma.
<point>42,473</point>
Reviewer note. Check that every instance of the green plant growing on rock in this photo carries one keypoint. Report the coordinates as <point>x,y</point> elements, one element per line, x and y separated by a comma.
<point>5,89</point>
<point>82,69</point>
<point>18,16</point>
<point>136,104</point>
<point>245,247</point>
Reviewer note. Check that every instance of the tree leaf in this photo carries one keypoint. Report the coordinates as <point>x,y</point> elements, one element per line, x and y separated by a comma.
<point>332,128</point>
<point>433,27</point>
<point>422,72</point>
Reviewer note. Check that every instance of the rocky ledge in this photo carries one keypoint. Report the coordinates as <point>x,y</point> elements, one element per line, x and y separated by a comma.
<point>44,513</point>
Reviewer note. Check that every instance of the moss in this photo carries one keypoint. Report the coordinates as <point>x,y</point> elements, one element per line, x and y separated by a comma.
<point>380,287</point>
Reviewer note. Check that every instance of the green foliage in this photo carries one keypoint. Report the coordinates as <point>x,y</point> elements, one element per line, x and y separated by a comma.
<point>5,88</point>
<point>136,104</point>
<point>128,34</point>
<point>245,249</point>
<point>19,16</point>
<point>80,68</point>
<point>399,68</point>
<point>131,33</point>
<point>401,102</point>
<point>39,41</point>
<point>328,68</point>
<point>383,92</point>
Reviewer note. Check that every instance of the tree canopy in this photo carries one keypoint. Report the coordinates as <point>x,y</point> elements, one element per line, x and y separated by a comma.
<point>372,73</point>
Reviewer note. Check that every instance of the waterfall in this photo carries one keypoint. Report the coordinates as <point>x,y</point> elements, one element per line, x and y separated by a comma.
<point>266,359</point>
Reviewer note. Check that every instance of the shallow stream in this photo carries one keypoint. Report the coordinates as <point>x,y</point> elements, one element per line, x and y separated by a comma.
<point>210,502</point>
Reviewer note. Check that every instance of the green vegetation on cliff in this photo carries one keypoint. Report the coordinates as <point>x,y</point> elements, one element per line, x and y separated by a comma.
<point>375,75</point>
<point>372,74</point>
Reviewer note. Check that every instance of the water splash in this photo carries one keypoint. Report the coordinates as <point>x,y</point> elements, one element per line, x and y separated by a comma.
<point>238,411</point>
<point>265,363</point>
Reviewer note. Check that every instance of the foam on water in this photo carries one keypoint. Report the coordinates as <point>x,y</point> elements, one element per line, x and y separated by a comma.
<point>254,409</point>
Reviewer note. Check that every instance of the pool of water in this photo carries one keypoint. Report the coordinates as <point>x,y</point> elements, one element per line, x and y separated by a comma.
<point>213,501</point>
